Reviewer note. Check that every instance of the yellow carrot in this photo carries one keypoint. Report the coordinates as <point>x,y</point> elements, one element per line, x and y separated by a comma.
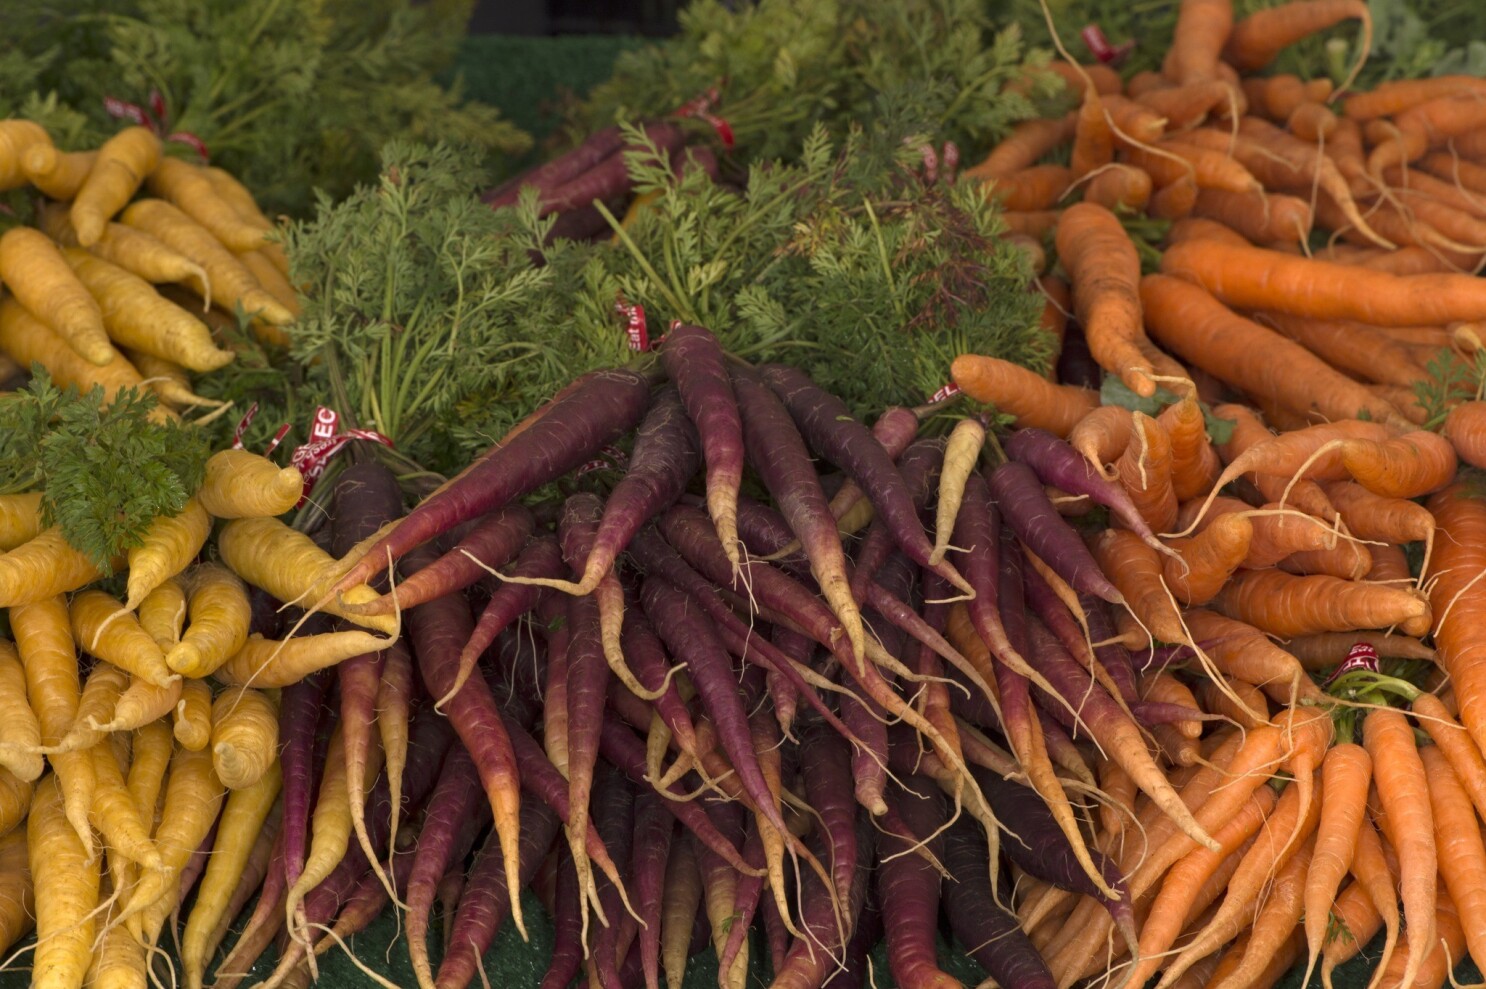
<point>278,663</point>
<point>130,249</point>
<point>17,900</point>
<point>168,547</point>
<point>140,704</point>
<point>119,962</point>
<point>100,695</point>
<point>150,758</point>
<point>20,519</point>
<point>20,732</point>
<point>16,138</point>
<point>114,815</point>
<point>106,630</point>
<point>162,613</point>
<point>15,800</point>
<point>193,715</point>
<point>193,797</point>
<point>231,283</point>
<point>194,194</point>
<point>58,174</point>
<point>220,614</point>
<point>43,637</point>
<point>67,881</point>
<point>288,565</point>
<point>245,736</point>
<point>172,385</point>
<point>42,568</point>
<point>241,485</point>
<point>39,277</point>
<point>330,828</point>
<point>123,162</point>
<point>136,316</point>
<point>273,280</point>
<point>242,818</point>
<point>27,340</point>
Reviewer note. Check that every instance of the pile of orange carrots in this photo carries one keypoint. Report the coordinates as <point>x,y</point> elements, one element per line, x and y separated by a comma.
<point>1317,273</point>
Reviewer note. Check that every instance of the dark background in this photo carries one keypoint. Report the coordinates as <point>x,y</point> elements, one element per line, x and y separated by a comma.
<point>546,17</point>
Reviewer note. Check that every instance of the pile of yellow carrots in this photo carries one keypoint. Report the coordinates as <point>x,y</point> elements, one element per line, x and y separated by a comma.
<point>121,290</point>
<point>1280,551</point>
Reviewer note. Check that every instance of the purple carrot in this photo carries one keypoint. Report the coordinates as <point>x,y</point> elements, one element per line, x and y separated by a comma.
<point>430,737</point>
<point>567,923</point>
<point>782,690</point>
<point>988,933</point>
<point>509,601</point>
<point>366,900</point>
<point>258,932</point>
<point>908,886</point>
<point>456,813</point>
<point>613,813</point>
<point>831,430</point>
<point>1040,848</point>
<point>775,934</point>
<point>746,896</point>
<point>1059,464</point>
<point>491,542</point>
<point>894,429</point>
<point>626,752</point>
<point>1113,655</point>
<point>559,437</point>
<point>655,555</point>
<point>809,961</point>
<point>918,466</point>
<point>1076,365</point>
<point>696,364</point>
<point>866,931</point>
<point>663,461</point>
<point>567,166</point>
<point>765,533</point>
<point>609,176</point>
<point>777,452</point>
<point>587,686</point>
<point>299,714</point>
<point>485,903</point>
<point>1024,503</point>
<point>653,830</point>
<point>648,659</point>
<point>869,755</point>
<point>438,631</point>
<point>828,788</point>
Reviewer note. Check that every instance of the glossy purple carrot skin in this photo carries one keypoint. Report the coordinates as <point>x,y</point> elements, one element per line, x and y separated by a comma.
<point>439,630</point>
<point>1059,464</point>
<point>430,737</point>
<point>690,637</point>
<point>299,714</point>
<point>606,405</point>
<point>894,429</point>
<point>778,455</point>
<point>908,887</point>
<point>614,816</point>
<point>647,658</point>
<point>988,934</point>
<point>1019,494</point>
<point>1114,657</point>
<point>657,556</point>
<point>541,557</point>
<point>587,687</point>
<point>782,690</point>
<point>828,788</point>
<point>695,362</point>
<point>456,813</point>
<point>567,923</point>
<point>869,755</point>
<point>567,166</point>
<point>831,430</point>
<point>765,532</point>
<point>662,463</point>
<point>654,827</point>
<point>486,904</point>
<point>493,540</point>
<point>622,749</point>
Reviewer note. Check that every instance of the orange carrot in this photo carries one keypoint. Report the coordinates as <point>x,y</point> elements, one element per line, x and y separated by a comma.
<point>1194,462</point>
<point>1186,106</point>
<point>1455,745</point>
<point>1174,200</point>
<point>1286,605</point>
<point>1465,428</point>
<point>1408,820</point>
<point>1408,466</point>
<point>1241,651</point>
<point>1102,435</point>
<point>1259,218</point>
<point>1208,559</point>
<point>1259,38</point>
<point>1093,137</point>
<point>1013,389</point>
<point>1428,125</point>
<point>1034,188</point>
<point>1119,186</point>
<point>1029,141</point>
<point>1178,157</point>
<point>1349,346</point>
<point>1391,98</point>
<point>1145,473</point>
<point>1202,29</point>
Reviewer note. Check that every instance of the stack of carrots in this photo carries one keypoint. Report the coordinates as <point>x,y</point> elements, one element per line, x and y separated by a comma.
<point>119,290</point>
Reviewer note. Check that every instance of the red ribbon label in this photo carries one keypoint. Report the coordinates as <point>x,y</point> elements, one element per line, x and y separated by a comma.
<point>1101,48</point>
<point>1360,657</point>
<point>246,421</point>
<point>700,106</point>
<point>325,442</point>
<point>633,318</point>
<point>156,119</point>
<point>945,392</point>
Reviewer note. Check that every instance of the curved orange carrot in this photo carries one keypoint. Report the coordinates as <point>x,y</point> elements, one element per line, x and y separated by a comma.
<point>1033,188</point>
<point>1257,39</point>
<point>1350,346</point>
<point>1105,271</point>
<point>1259,218</point>
<point>1465,428</point>
<point>1407,466</point>
<point>1346,775</point>
<point>1202,29</point>
<point>1102,435</point>
<point>1241,651</point>
<point>1134,123</point>
<point>1029,141</point>
<point>1135,568</point>
<point>1409,822</point>
<point>1013,389</point>
<point>1208,559</point>
<point>1145,473</point>
<point>1286,605</point>
<point>1194,462</point>
<point>1391,98</point>
<point>1369,516</point>
<point>1185,106</point>
<point>1174,200</point>
<point>1119,186</point>
<point>1093,137</point>
<point>1428,124</point>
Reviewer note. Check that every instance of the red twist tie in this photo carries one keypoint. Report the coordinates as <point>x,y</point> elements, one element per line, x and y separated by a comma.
<point>945,392</point>
<point>1100,47</point>
<point>242,426</point>
<point>1360,657</point>
<point>635,327</point>
<point>124,110</point>
<point>325,442</point>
